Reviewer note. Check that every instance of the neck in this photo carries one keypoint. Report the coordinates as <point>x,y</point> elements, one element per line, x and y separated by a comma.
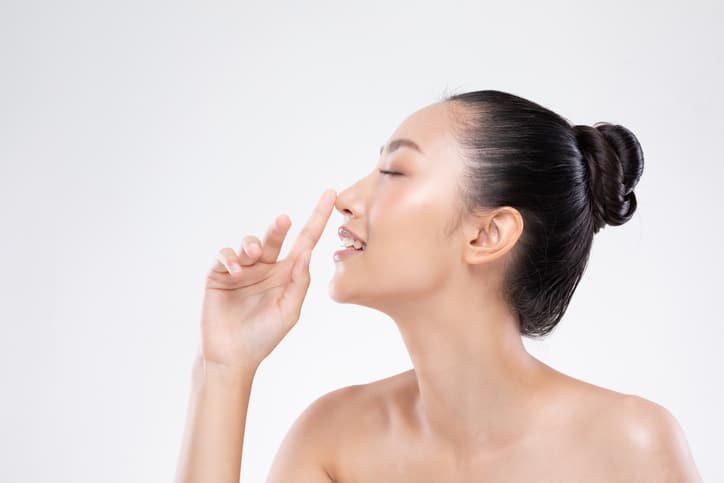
<point>477,386</point>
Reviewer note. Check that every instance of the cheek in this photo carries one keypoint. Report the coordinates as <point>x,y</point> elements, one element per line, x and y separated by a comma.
<point>408,266</point>
<point>407,233</point>
<point>419,208</point>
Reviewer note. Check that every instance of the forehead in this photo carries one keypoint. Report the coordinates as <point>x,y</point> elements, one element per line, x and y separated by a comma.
<point>430,128</point>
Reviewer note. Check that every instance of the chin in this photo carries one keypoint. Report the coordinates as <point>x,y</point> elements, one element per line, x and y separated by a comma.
<point>344,293</point>
<point>337,293</point>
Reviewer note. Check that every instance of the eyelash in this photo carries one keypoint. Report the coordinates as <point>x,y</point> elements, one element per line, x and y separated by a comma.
<point>391,173</point>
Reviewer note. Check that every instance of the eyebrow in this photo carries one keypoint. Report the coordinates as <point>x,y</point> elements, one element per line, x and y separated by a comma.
<point>398,143</point>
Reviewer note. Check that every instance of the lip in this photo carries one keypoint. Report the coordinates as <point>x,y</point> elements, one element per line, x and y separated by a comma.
<point>344,231</point>
<point>340,255</point>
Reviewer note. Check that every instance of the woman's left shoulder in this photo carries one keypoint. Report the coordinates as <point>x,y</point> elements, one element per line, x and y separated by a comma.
<point>646,439</point>
<point>639,422</point>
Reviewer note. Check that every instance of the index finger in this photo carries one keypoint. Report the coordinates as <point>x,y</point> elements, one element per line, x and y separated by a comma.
<point>309,236</point>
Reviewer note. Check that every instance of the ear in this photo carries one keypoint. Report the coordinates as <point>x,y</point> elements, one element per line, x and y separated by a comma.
<point>492,235</point>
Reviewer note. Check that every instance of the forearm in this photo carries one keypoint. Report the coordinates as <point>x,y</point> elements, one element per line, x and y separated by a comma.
<point>214,434</point>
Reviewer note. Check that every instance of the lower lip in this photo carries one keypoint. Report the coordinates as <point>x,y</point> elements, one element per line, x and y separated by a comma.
<point>340,255</point>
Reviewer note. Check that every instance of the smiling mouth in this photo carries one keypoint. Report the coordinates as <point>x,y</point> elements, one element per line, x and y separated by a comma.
<point>345,252</point>
<point>351,243</point>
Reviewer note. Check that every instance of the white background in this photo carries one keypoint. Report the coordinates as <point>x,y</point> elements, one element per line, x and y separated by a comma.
<point>137,138</point>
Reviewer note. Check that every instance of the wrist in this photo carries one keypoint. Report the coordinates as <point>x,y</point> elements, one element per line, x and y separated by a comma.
<point>208,369</point>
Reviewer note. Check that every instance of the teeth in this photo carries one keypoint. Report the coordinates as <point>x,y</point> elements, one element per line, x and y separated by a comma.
<point>350,242</point>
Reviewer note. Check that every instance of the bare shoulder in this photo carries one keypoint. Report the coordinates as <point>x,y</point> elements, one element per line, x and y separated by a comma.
<point>331,416</point>
<point>308,450</point>
<point>644,440</point>
<point>357,406</point>
<point>337,423</point>
<point>364,408</point>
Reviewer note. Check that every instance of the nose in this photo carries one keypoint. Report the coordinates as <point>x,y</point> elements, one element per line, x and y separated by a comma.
<point>341,204</point>
<point>350,200</point>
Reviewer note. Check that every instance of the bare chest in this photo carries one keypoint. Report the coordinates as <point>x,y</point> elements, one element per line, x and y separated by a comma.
<point>568,443</point>
<point>546,460</point>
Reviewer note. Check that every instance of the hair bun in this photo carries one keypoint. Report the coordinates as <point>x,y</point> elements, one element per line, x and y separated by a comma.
<point>614,162</point>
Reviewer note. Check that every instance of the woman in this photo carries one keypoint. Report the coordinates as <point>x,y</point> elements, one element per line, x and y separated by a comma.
<point>473,230</point>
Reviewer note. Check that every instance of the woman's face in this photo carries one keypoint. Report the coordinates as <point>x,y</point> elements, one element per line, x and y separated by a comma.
<point>407,220</point>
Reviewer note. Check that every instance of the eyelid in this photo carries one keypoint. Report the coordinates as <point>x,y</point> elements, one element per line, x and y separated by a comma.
<point>391,173</point>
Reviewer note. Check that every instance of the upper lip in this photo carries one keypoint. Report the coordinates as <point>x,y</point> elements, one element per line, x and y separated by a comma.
<point>345,232</point>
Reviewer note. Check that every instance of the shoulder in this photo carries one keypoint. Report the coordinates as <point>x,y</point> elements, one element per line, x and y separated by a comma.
<point>365,400</point>
<point>340,422</point>
<point>645,441</point>
<point>309,448</point>
<point>359,413</point>
<point>330,413</point>
<point>357,407</point>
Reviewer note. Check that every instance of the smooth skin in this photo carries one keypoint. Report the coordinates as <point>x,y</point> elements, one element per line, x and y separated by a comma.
<point>476,407</point>
<point>245,314</point>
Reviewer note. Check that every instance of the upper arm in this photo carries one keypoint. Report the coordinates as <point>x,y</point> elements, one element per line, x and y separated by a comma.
<point>305,453</point>
<point>653,446</point>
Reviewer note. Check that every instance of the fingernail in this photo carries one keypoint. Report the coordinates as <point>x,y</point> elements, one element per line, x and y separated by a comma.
<point>235,267</point>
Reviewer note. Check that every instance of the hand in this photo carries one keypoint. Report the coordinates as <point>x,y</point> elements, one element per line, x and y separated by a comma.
<point>247,313</point>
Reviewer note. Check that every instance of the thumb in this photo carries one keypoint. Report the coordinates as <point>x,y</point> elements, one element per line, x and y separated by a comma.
<point>290,303</point>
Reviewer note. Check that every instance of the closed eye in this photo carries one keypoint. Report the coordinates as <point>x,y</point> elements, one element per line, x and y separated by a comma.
<point>391,173</point>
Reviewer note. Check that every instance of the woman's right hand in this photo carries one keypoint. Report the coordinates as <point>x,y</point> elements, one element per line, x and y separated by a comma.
<point>246,313</point>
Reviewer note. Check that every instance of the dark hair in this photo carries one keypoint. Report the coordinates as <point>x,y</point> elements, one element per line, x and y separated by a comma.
<point>567,181</point>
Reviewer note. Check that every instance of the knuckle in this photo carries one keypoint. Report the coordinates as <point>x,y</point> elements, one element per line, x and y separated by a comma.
<point>251,240</point>
<point>226,255</point>
<point>309,234</point>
